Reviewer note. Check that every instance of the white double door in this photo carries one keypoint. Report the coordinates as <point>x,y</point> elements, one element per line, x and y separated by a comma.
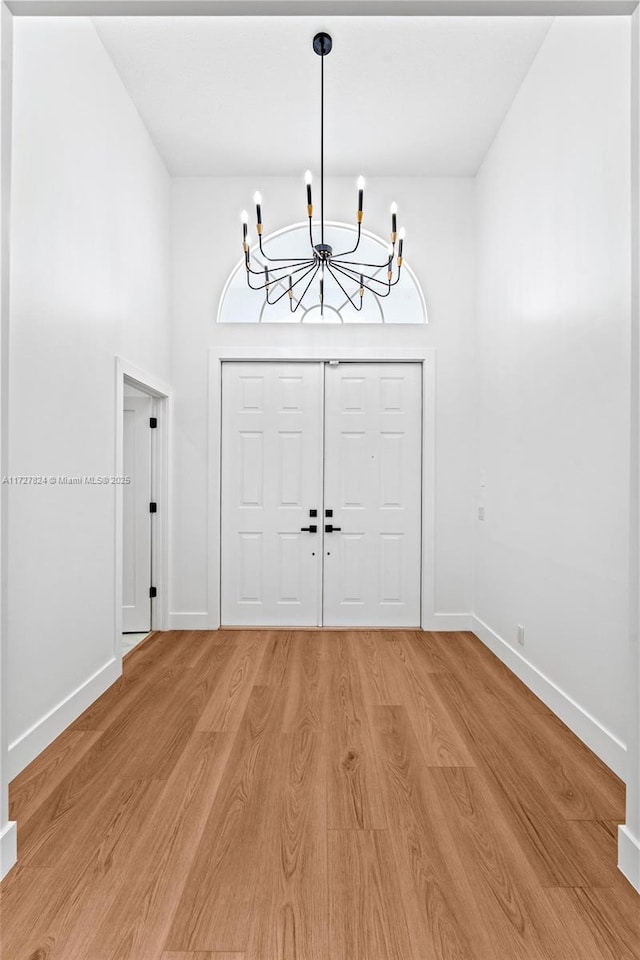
<point>321,494</point>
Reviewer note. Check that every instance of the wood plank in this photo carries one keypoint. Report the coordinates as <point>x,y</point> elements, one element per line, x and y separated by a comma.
<point>305,683</point>
<point>354,797</point>
<point>442,912</point>
<point>372,663</point>
<point>605,921</point>
<point>366,913</point>
<point>290,915</point>
<point>504,883</point>
<point>234,683</point>
<point>222,885</point>
<point>163,850</point>
<point>525,802</point>
<point>412,686</point>
<point>38,781</point>
<point>202,955</point>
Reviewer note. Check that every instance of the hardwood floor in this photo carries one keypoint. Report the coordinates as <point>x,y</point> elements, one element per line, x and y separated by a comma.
<point>279,795</point>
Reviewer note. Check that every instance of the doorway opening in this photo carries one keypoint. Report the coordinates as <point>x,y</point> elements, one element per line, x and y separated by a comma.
<point>141,560</point>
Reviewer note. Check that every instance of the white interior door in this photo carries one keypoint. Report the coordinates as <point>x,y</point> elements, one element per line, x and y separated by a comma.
<point>136,539</point>
<point>372,485</point>
<point>271,480</point>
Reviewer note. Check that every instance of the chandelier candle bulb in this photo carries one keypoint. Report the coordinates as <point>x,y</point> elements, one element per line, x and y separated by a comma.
<point>360,197</point>
<point>257,199</point>
<point>308,179</point>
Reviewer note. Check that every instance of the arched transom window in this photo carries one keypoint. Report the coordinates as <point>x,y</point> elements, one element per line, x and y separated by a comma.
<point>239,304</point>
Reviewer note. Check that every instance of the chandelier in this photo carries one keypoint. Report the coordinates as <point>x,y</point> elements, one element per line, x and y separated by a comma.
<point>294,276</point>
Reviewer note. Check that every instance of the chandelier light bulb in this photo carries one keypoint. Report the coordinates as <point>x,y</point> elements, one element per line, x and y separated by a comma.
<point>400,246</point>
<point>402,233</point>
<point>307,179</point>
<point>244,216</point>
<point>257,198</point>
<point>394,207</point>
<point>361,183</point>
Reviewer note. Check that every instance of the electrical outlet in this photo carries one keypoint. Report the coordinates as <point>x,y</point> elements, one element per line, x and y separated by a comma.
<point>521,635</point>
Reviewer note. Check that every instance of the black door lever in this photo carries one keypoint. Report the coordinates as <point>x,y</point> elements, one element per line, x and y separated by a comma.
<point>311,529</point>
<point>329,528</point>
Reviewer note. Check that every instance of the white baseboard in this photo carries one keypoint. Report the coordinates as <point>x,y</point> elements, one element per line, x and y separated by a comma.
<point>629,856</point>
<point>191,621</point>
<point>603,743</point>
<point>27,746</point>
<point>447,622</point>
<point>8,848</point>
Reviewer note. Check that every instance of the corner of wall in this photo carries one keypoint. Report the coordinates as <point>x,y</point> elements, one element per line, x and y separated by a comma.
<point>629,856</point>
<point>8,848</point>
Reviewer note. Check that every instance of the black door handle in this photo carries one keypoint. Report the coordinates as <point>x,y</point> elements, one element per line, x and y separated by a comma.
<point>312,529</point>
<point>329,528</point>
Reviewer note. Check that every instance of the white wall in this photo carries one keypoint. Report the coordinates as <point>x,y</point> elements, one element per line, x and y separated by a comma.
<point>8,833</point>
<point>554,381</point>
<point>90,271</point>
<point>438,215</point>
<point>629,832</point>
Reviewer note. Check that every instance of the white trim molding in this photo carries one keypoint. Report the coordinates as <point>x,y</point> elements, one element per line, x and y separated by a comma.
<point>200,620</point>
<point>629,856</point>
<point>602,741</point>
<point>8,847</point>
<point>448,622</point>
<point>29,744</point>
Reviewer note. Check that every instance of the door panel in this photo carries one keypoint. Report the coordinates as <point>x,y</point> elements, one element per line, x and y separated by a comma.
<point>373,479</point>
<point>271,478</point>
<point>136,539</point>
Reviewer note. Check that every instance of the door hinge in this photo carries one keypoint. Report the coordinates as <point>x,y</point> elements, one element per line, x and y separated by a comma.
<point>153,592</point>
<point>153,507</point>
<point>153,422</point>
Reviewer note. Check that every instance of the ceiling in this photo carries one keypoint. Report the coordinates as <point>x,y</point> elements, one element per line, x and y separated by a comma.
<point>410,96</point>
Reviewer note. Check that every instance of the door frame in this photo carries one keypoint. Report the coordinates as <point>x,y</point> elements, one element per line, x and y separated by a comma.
<point>159,484</point>
<point>322,353</point>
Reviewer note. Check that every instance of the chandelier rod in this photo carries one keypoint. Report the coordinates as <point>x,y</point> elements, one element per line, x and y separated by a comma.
<point>322,148</point>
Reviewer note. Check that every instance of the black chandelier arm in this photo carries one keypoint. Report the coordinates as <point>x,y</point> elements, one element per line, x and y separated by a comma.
<point>275,280</point>
<point>383,283</point>
<point>302,295</point>
<point>278,259</point>
<point>356,274</point>
<point>311,232</point>
<point>347,253</point>
<point>346,293</point>
<point>290,266</point>
<point>286,290</point>
<point>374,266</point>
<point>362,279</point>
